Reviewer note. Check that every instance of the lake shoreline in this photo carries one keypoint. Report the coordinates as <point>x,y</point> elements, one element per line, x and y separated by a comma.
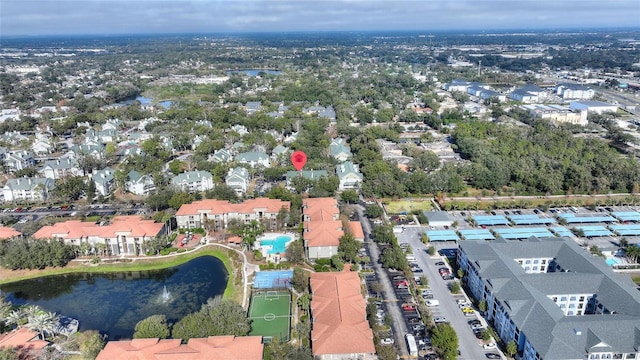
<point>136,264</point>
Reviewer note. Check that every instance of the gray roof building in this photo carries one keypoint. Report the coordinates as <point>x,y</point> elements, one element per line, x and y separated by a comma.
<point>554,299</point>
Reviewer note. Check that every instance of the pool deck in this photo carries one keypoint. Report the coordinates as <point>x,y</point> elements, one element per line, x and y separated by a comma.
<point>272,236</point>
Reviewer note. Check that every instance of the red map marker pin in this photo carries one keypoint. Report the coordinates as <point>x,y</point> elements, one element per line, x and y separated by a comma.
<point>299,158</point>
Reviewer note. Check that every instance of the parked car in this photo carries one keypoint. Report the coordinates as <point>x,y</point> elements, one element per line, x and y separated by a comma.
<point>489,346</point>
<point>408,307</point>
<point>492,356</point>
<point>432,302</point>
<point>439,319</point>
<point>440,263</point>
<point>414,320</point>
<point>387,341</point>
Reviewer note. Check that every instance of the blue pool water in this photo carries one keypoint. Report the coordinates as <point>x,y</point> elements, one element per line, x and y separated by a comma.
<point>278,245</point>
<point>613,261</point>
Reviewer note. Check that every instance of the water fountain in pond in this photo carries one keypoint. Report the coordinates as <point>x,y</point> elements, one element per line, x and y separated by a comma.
<point>166,296</point>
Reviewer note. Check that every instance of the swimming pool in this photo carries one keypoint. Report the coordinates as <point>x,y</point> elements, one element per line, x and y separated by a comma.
<point>613,262</point>
<point>277,245</point>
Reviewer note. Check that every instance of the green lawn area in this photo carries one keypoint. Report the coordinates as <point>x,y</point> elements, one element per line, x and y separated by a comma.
<point>405,205</point>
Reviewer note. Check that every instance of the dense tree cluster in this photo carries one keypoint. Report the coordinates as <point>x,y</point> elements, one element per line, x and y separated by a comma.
<point>542,159</point>
<point>34,254</point>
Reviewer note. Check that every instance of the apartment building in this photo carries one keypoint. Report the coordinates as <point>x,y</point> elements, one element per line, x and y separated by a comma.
<point>322,228</point>
<point>340,329</point>
<point>220,212</point>
<point>124,235</point>
<point>553,298</point>
<point>557,114</point>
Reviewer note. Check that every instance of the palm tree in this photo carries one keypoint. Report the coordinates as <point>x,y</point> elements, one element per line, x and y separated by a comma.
<point>43,323</point>
<point>15,318</point>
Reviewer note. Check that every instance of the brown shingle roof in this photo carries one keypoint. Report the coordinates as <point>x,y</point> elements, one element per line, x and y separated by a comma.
<point>339,316</point>
<point>211,348</point>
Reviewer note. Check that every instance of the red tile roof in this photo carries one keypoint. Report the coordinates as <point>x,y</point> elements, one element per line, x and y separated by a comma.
<point>133,226</point>
<point>211,348</point>
<point>340,323</point>
<point>8,233</point>
<point>323,233</point>
<point>356,230</point>
<point>26,341</point>
<point>320,209</point>
<point>212,206</point>
<point>321,225</point>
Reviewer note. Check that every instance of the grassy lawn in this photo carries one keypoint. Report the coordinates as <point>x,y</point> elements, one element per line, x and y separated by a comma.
<point>399,206</point>
<point>138,265</point>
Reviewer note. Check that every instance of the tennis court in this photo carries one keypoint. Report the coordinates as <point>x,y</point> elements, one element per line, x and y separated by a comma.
<point>270,314</point>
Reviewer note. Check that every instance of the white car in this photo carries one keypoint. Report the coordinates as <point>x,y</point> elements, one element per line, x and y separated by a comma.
<point>439,319</point>
<point>387,341</point>
<point>489,346</point>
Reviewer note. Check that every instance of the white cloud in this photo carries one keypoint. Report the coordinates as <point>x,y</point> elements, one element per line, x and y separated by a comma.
<point>118,16</point>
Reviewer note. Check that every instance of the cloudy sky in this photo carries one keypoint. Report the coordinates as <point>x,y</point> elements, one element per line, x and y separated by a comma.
<point>43,17</point>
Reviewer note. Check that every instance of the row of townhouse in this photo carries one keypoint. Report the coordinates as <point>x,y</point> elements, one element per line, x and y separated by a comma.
<point>218,213</point>
<point>553,299</point>
<point>123,235</point>
<point>340,329</point>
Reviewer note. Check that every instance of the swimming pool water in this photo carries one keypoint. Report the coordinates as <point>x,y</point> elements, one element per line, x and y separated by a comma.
<point>278,245</point>
<point>613,261</point>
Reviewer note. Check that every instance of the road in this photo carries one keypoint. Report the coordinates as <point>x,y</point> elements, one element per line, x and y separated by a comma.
<point>398,324</point>
<point>469,347</point>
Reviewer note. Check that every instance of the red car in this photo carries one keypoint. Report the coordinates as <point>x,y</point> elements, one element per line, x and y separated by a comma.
<point>408,307</point>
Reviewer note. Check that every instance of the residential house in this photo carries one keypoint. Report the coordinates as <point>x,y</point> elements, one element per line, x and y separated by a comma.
<point>291,138</point>
<point>104,181</point>
<point>193,181</point>
<point>314,175</point>
<point>252,107</point>
<point>349,176</point>
<point>139,184</point>
<point>553,299</point>
<point>142,126</point>
<point>7,233</point>
<point>61,168</point>
<point>254,158</point>
<point>280,153</point>
<point>100,137</point>
<point>238,179</point>
<point>18,160</point>
<point>124,235</point>
<point>221,156</point>
<point>95,150</point>
<point>340,150</point>
<point>219,212</point>
<point>42,145</point>
<point>226,347</point>
<point>240,129</point>
<point>574,91</point>
<point>13,137</point>
<point>27,189</point>
<point>323,112</point>
<point>112,124</point>
<point>340,328</point>
<point>322,228</point>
